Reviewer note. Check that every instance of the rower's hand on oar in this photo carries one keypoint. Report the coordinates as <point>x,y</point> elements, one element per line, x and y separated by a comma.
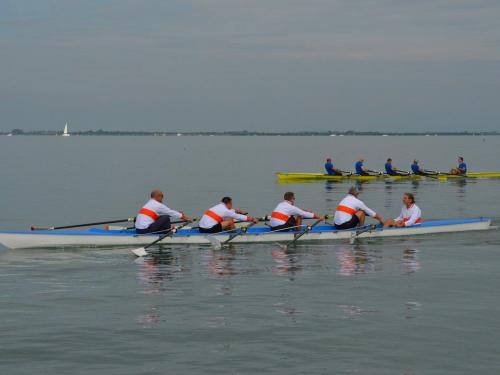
<point>186,218</point>
<point>379,218</point>
<point>241,212</point>
<point>252,219</point>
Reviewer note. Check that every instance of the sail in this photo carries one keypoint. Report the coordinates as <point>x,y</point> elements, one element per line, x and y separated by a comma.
<point>65,133</point>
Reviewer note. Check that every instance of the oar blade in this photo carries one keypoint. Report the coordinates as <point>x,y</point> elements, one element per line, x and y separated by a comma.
<point>353,238</point>
<point>140,252</point>
<point>216,244</point>
<point>282,246</point>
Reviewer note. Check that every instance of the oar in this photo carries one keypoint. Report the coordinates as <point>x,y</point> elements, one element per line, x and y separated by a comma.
<point>431,174</point>
<point>355,234</point>
<point>85,225</point>
<point>377,173</point>
<point>141,251</point>
<point>406,173</point>
<point>307,230</point>
<point>218,245</point>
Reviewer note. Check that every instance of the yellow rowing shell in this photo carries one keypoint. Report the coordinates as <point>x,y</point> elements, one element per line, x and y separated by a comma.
<point>284,176</point>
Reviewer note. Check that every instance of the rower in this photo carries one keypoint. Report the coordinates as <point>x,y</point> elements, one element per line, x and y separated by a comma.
<point>154,216</point>
<point>330,169</point>
<point>462,167</point>
<point>391,170</point>
<point>410,213</point>
<point>286,216</point>
<point>351,211</point>
<point>221,217</point>
<point>360,169</point>
<point>415,168</point>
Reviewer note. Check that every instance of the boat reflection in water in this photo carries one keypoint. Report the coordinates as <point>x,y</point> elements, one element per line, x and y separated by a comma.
<point>219,263</point>
<point>352,260</point>
<point>154,274</point>
<point>287,262</point>
<point>409,261</point>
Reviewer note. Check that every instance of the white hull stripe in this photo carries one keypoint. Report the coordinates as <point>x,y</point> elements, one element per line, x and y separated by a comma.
<point>99,237</point>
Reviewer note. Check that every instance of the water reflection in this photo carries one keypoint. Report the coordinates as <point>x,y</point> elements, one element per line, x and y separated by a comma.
<point>219,264</point>
<point>415,183</point>
<point>352,260</point>
<point>156,270</point>
<point>409,261</point>
<point>360,259</point>
<point>154,273</point>
<point>460,194</point>
<point>331,199</point>
<point>286,263</point>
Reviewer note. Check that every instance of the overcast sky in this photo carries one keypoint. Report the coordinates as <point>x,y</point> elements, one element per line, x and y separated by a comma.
<point>256,65</point>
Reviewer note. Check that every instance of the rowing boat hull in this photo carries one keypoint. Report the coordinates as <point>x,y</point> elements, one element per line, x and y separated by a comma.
<point>283,176</point>
<point>103,238</point>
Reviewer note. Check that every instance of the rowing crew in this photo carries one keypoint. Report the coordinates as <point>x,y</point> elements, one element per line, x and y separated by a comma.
<point>391,170</point>
<point>351,212</point>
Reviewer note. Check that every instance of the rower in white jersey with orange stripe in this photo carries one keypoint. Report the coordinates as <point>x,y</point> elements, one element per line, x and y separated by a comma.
<point>410,213</point>
<point>221,217</point>
<point>351,212</point>
<point>154,216</point>
<point>286,216</point>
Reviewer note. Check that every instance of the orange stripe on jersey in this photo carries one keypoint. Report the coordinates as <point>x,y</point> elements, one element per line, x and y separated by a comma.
<point>280,216</point>
<point>347,210</point>
<point>153,215</point>
<point>214,216</point>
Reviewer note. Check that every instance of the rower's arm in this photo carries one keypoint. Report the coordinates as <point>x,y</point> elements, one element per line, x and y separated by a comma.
<point>164,210</point>
<point>366,209</point>
<point>236,216</point>
<point>306,214</point>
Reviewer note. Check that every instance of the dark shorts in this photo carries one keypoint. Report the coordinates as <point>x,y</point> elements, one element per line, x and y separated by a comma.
<point>161,224</point>
<point>215,229</point>
<point>353,223</point>
<point>291,222</point>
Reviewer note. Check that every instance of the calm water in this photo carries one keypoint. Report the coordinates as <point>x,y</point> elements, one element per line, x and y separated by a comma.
<point>423,305</point>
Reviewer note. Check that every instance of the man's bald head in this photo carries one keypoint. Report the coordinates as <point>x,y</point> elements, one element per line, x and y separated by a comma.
<point>157,195</point>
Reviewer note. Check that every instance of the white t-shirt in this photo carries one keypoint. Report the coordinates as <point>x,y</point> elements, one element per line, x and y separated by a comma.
<point>348,206</point>
<point>410,216</point>
<point>287,209</point>
<point>217,214</point>
<point>150,212</point>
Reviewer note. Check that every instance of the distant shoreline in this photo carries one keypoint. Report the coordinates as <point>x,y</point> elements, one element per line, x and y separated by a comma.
<point>19,132</point>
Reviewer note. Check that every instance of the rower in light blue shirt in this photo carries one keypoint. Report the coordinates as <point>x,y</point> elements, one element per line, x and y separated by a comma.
<point>330,169</point>
<point>462,167</point>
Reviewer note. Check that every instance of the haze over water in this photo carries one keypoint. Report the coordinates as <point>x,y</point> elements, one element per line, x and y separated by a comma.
<point>419,305</point>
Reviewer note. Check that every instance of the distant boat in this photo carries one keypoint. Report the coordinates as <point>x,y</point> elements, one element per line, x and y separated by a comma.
<point>9,135</point>
<point>65,133</point>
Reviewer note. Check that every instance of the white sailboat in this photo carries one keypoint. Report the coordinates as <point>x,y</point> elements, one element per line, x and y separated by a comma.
<point>65,133</point>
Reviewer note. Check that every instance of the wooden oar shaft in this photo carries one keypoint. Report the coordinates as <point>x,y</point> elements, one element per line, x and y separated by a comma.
<point>86,225</point>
